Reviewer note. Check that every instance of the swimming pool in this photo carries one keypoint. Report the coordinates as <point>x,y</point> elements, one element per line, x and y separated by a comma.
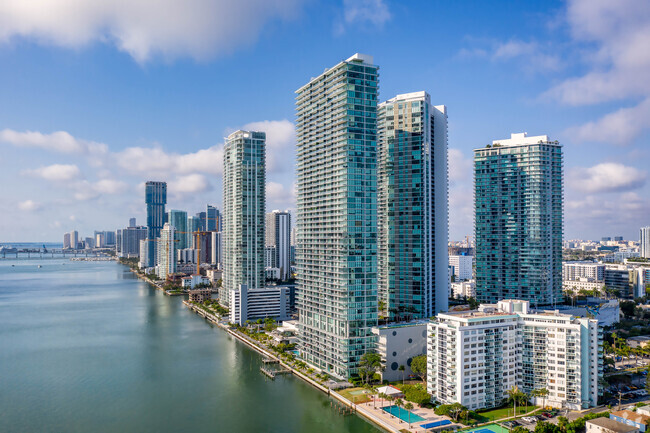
<point>402,414</point>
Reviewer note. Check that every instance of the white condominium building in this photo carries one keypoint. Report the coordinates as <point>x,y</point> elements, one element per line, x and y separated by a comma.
<point>244,199</point>
<point>574,271</point>
<point>475,357</point>
<point>461,266</point>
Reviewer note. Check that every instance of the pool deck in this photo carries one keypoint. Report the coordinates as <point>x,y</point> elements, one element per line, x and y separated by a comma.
<point>374,408</point>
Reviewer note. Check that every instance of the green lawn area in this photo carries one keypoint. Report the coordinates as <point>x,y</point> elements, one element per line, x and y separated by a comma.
<point>355,395</point>
<point>503,412</point>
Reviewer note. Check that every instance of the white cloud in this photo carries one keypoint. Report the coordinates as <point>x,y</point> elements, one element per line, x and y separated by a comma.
<point>155,161</point>
<point>460,168</point>
<point>59,141</point>
<point>620,127</point>
<point>145,28</point>
<point>85,190</point>
<point>280,197</point>
<point>618,66</point>
<point>531,56</point>
<point>366,11</point>
<point>56,172</point>
<point>190,184</point>
<point>29,206</point>
<point>606,177</point>
<point>280,143</point>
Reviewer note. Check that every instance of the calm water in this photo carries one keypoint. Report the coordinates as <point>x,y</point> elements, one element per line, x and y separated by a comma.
<point>87,347</point>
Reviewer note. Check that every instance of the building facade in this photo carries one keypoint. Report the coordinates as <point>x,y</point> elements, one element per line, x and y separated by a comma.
<point>156,199</point>
<point>644,244</point>
<point>278,235</point>
<point>475,357</point>
<point>166,252</point>
<point>253,304</point>
<point>244,198</point>
<point>336,255</point>
<point>518,198</point>
<point>461,267</point>
<point>178,218</point>
<point>572,271</point>
<point>412,206</point>
<point>398,344</point>
<point>130,237</point>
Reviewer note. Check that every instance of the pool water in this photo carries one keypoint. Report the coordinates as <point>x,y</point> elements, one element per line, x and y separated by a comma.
<point>402,414</point>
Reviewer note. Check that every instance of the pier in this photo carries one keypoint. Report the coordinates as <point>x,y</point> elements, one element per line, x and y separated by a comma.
<point>272,373</point>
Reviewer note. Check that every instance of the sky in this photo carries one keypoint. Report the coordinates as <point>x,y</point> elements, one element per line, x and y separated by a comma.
<point>98,97</point>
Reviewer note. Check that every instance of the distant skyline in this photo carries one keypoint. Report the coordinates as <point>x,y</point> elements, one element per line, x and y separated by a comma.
<point>99,98</point>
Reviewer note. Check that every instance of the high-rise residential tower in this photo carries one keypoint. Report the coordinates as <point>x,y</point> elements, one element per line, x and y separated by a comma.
<point>412,203</point>
<point>278,235</point>
<point>645,242</point>
<point>212,222</point>
<point>178,219</point>
<point>336,255</point>
<point>244,198</point>
<point>518,198</point>
<point>166,252</point>
<point>155,198</point>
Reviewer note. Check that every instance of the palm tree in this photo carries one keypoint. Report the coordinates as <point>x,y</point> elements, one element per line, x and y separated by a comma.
<point>515,394</point>
<point>399,402</point>
<point>409,406</point>
<point>542,392</point>
<point>402,369</point>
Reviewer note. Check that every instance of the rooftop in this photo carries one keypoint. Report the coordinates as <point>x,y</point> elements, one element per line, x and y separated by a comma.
<point>632,416</point>
<point>613,425</point>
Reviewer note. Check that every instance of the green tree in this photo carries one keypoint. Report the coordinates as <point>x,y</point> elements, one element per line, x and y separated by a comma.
<point>627,308</point>
<point>403,370</point>
<point>473,303</point>
<point>370,363</point>
<point>515,395</point>
<point>546,427</point>
<point>419,367</point>
<point>416,394</point>
<point>519,429</point>
<point>647,381</point>
<point>455,411</point>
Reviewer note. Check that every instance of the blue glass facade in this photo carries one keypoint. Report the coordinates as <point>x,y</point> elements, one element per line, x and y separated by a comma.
<point>156,199</point>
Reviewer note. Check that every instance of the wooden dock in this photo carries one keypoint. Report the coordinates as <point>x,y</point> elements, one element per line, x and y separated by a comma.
<point>272,373</point>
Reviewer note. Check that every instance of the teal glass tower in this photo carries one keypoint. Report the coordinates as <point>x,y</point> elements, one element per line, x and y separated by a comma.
<point>413,214</point>
<point>336,254</point>
<point>155,198</point>
<point>178,219</point>
<point>518,197</point>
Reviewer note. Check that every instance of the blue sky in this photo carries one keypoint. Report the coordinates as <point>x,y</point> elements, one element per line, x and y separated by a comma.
<point>98,97</point>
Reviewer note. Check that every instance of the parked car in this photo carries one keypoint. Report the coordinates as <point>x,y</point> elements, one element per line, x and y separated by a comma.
<point>529,419</point>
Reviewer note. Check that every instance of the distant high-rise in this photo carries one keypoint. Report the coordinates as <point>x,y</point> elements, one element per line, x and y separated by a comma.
<point>155,198</point>
<point>74,239</point>
<point>129,245</point>
<point>518,197</point>
<point>178,218</point>
<point>202,217</point>
<point>166,252</point>
<point>244,198</point>
<point>336,255</point>
<point>217,255</point>
<point>278,235</point>
<point>212,222</point>
<point>645,242</point>
<point>66,241</point>
<point>132,222</point>
<point>412,205</point>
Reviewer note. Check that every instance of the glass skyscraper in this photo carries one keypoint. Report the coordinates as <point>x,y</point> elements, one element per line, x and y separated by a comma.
<point>518,197</point>
<point>336,255</point>
<point>413,214</point>
<point>178,219</point>
<point>155,198</point>
<point>212,219</point>
<point>244,198</point>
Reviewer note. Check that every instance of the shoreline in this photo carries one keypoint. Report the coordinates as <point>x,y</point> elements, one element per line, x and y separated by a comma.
<point>357,409</point>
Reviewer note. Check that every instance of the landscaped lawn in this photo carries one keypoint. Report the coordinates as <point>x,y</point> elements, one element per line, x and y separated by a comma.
<point>355,395</point>
<point>503,412</point>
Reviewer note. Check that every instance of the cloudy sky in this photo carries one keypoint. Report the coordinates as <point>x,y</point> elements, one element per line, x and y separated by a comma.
<point>97,97</point>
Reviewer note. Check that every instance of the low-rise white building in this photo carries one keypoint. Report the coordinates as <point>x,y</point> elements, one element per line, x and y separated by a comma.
<point>475,357</point>
<point>252,304</point>
<point>606,425</point>
<point>193,281</point>
<point>572,271</point>
<point>398,344</point>
<point>464,289</point>
<point>582,284</point>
